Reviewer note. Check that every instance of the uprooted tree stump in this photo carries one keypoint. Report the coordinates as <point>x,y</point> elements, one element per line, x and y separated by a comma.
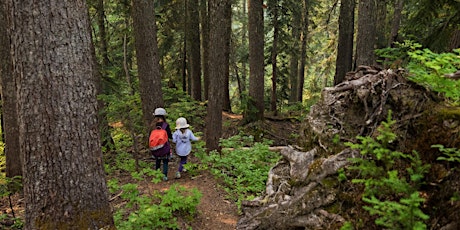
<point>303,190</point>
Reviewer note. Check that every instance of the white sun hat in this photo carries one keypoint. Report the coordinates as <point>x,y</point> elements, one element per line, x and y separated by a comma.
<point>160,112</point>
<point>181,123</point>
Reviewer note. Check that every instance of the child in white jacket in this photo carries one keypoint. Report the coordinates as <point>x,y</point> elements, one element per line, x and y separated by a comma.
<point>183,137</point>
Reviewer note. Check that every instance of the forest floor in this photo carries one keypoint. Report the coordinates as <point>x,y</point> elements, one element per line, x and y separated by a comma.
<point>215,210</point>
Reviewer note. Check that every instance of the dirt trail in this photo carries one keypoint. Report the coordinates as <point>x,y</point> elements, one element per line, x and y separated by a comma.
<point>214,210</point>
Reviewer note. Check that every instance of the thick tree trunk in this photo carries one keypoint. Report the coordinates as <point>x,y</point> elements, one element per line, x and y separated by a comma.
<point>64,181</point>
<point>344,62</point>
<point>219,62</point>
<point>10,124</point>
<point>147,58</point>
<point>366,39</point>
<point>193,42</point>
<point>255,109</point>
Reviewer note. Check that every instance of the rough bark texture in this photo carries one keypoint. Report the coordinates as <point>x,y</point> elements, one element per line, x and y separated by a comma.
<point>10,124</point>
<point>396,22</point>
<point>255,110</point>
<point>302,189</point>
<point>204,18</point>
<point>274,55</point>
<point>227,15</point>
<point>64,181</point>
<point>217,59</point>
<point>294,55</point>
<point>366,39</point>
<point>147,58</point>
<point>303,50</point>
<point>194,52</point>
<point>344,61</point>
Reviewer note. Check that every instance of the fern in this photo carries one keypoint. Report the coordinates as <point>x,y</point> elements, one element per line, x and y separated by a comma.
<point>449,154</point>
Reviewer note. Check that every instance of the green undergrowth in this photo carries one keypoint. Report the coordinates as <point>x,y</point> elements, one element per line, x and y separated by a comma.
<point>426,67</point>
<point>242,166</point>
<point>150,209</point>
<point>391,180</point>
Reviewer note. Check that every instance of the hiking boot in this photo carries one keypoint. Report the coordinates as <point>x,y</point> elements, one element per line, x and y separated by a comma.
<point>177,175</point>
<point>165,178</point>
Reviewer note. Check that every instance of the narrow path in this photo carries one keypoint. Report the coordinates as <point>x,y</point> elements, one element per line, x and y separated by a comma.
<point>215,212</point>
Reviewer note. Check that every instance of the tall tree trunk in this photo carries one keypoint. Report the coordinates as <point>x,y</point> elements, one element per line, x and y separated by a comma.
<point>64,180</point>
<point>147,58</point>
<point>106,138</point>
<point>102,34</point>
<point>454,41</point>
<point>244,43</point>
<point>294,55</point>
<point>204,18</point>
<point>184,65</point>
<point>303,50</point>
<point>395,24</point>
<point>193,36</point>
<point>10,126</point>
<point>344,61</point>
<point>366,39</point>
<point>274,56</point>
<point>380,22</point>
<point>226,105</point>
<point>219,19</point>
<point>255,109</point>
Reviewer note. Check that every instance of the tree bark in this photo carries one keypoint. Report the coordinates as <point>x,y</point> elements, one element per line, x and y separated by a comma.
<point>244,43</point>
<point>344,61</point>
<point>395,24</point>
<point>218,59</point>
<point>381,33</point>
<point>102,33</point>
<point>147,58</point>
<point>226,106</point>
<point>10,124</point>
<point>102,66</point>
<point>294,56</point>
<point>193,42</point>
<point>274,55</point>
<point>204,18</point>
<point>303,50</point>
<point>255,108</point>
<point>366,39</point>
<point>64,180</point>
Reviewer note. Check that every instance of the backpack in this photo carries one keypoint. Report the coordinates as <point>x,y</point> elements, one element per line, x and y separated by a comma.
<point>158,138</point>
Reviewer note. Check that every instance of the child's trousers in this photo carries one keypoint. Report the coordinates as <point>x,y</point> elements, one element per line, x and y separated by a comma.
<point>183,161</point>
<point>158,161</point>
